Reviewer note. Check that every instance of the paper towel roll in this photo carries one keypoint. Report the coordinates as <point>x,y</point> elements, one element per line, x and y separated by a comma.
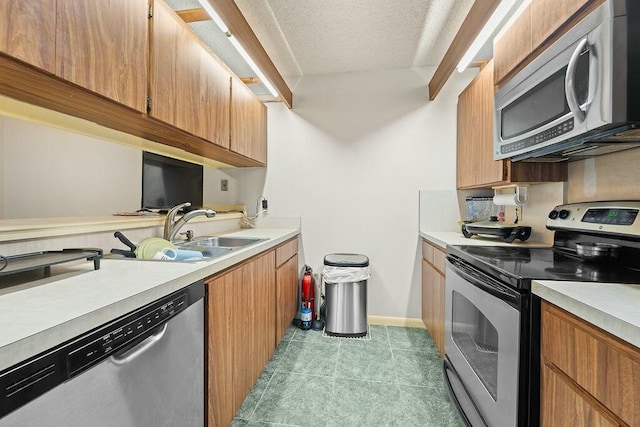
<point>507,200</point>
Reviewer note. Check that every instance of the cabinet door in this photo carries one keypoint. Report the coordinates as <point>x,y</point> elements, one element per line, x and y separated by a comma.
<point>433,288</point>
<point>220,347</point>
<point>253,322</point>
<point>189,88</point>
<point>547,16</point>
<point>475,164</point>
<point>103,46</point>
<point>27,31</point>
<point>248,123</point>
<point>513,47</point>
<point>286,295</point>
<point>602,365</point>
<point>564,405</point>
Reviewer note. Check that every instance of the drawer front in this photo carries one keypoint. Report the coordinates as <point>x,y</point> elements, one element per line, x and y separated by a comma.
<point>601,364</point>
<point>439,259</point>
<point>434,255</point>
<point>286,251</point>
<point>427,251</point>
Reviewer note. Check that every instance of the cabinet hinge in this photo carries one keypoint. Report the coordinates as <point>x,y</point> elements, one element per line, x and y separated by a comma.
<point>150,11</point>
<point>148,104</point>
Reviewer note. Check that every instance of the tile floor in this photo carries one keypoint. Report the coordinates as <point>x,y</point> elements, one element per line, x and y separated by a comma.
<point>393,379</point>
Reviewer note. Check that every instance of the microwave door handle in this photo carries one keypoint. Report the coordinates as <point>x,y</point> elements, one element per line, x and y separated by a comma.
<point>569,83</point>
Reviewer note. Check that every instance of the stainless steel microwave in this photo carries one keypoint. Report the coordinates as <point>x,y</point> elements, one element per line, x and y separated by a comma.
<point>580,97</point>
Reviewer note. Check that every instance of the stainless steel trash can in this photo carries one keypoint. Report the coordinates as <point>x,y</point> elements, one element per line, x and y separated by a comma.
<point>345,279</point>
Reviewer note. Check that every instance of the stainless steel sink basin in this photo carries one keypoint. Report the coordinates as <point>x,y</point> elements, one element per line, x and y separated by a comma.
<point>211,247</point>
<point>220,242</point>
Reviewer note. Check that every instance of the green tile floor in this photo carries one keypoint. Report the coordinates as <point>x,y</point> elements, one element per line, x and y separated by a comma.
<point>393,379</point>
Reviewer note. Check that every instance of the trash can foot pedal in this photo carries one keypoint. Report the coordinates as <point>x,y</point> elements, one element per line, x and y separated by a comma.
<point>359,336</point>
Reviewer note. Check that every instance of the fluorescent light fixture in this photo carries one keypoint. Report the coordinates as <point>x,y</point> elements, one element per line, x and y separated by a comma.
<point>234,41</point>
<point>220,23</point>
<point>214,15</point>
<point>487,31</point>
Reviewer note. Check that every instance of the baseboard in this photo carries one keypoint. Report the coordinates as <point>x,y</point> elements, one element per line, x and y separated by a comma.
<point>396,321</point>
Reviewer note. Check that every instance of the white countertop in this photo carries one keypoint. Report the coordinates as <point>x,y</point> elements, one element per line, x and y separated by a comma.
<point>612,307</point>
<point>42,314</point>
<point>444,238</point>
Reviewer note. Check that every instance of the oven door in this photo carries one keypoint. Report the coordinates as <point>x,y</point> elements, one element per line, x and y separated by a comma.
<point>482,344</point>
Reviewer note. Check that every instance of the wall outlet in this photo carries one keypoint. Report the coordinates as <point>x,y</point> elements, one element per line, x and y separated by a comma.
<point>224,185</point>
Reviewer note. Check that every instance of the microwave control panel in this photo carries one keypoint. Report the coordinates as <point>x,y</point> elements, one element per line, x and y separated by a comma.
<point>539,138</point>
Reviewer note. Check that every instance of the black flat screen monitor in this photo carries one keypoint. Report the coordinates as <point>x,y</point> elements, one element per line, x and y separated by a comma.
<point>167,182</point>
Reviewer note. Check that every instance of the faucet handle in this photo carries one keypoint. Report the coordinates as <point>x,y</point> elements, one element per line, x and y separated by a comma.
<point>188,235</point>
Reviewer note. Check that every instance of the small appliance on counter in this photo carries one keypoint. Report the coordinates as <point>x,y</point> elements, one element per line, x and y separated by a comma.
<point>495,229</point>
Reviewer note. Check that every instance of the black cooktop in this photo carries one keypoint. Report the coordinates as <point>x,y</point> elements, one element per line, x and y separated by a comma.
<point>518,266</point>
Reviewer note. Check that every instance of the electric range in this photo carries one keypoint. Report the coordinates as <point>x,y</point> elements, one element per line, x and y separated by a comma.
<point>492,321</point>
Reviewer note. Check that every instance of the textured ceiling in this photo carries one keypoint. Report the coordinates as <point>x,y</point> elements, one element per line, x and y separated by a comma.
<point>335,36</point>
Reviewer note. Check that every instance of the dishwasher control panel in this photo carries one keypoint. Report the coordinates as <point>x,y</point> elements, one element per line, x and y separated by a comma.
<point>119,336</point>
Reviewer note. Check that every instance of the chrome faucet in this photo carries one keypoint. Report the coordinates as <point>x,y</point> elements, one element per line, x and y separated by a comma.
<point>172,226</point>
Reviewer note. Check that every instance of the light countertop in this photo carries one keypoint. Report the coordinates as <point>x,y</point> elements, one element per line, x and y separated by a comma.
<point>444,238</point>
<point>612,307</point>
<point>39,315</point>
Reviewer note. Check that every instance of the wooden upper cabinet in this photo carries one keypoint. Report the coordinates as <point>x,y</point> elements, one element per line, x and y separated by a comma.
<point>475,165</point>
<point>27,31</point>
<point>189,87</point>
<point>248,123</point>
<point>513,47</point>
<point>547,16</point>
<point>103,46</point>
<point>539,25</point>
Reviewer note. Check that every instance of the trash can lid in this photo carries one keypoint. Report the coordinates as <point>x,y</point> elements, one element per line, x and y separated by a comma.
<point>346,260</point>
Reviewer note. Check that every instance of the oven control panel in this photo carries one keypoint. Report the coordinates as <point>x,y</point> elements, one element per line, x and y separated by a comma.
<point>616,217</point>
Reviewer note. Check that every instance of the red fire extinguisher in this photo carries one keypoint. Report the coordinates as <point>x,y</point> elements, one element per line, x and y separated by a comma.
<point>308,291</point>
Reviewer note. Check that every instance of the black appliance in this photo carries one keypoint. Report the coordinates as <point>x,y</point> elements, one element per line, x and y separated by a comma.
<point>580,97</point>
<point>167,182</point>
<point>492,326</point>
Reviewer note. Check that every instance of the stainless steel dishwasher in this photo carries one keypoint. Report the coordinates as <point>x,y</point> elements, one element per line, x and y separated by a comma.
<point>145,368</point>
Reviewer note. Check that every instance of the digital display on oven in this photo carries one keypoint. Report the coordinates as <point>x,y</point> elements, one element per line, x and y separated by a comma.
<point>611,216</point>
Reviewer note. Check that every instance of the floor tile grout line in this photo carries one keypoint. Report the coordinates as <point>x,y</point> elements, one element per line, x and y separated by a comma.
<point>275,369</point>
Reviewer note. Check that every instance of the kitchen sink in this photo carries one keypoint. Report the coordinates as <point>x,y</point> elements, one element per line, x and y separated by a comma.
<point>220,242</point>
<point>211,248</point>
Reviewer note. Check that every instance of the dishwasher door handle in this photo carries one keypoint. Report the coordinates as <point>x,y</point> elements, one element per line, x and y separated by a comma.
<point>136,351</point>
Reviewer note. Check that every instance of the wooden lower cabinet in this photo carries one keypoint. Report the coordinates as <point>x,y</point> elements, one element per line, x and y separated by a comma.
<point>286,295</point>
<point>241,334</point>
<point>433,293</point>
<point>249,307</point>
<point>589,377</point>
<point>566,406</point>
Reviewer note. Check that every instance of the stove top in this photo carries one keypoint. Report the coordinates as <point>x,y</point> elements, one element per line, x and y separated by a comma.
<point>596,222</point>
<point>519,266</point>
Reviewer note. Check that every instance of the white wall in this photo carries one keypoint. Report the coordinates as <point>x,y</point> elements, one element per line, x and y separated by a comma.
<point>350,159</point>
<point>50,172</point>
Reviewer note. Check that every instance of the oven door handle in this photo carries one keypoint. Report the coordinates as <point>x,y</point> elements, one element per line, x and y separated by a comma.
<point>486,283</point>
<point>569,83</point>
